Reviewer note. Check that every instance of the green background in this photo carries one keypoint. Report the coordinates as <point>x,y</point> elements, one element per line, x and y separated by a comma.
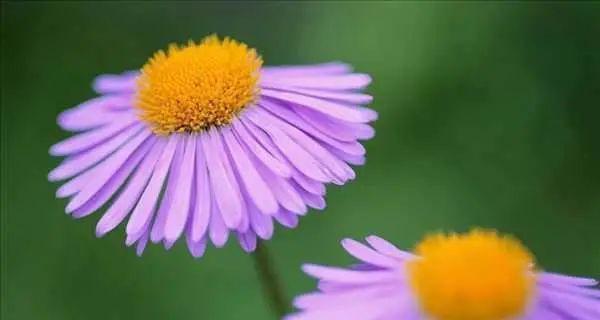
<point>488,116</point>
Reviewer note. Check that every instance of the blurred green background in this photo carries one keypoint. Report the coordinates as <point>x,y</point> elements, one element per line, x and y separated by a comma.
<point>488,116</point>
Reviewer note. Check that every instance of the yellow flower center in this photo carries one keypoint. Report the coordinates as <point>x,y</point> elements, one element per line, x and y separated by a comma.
<point>190,88</point>
<point>479,275</point>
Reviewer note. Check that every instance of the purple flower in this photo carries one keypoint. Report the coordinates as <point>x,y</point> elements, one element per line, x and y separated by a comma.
<point>204,140</point>
<point>478,275</point>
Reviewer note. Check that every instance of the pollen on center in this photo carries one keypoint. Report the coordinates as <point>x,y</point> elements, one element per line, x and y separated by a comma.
<point>190,88</point>
<point>472,276</point>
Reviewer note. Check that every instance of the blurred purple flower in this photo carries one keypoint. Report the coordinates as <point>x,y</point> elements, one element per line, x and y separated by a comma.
<point>453,277</point>
<point>200,178</point>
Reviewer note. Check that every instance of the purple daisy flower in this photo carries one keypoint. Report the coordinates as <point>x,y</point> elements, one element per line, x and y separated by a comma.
<point>204,141</point>
<point>478,275</point>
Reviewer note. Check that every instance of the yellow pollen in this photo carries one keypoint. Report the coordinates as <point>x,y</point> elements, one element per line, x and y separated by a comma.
<point>478,275</point>
<point>190,88</point>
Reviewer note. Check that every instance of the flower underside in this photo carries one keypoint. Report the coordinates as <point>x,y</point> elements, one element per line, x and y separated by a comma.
<point>190,88</point>
<point>473,276</point>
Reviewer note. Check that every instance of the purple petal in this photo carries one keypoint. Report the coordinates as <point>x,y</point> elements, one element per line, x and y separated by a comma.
<point>385,247</point>
<point>261,224</point>
<point>202,209</point>
<point>158,228</point>
<point>351,81</point>
<point>289,116</point>
<point>368,255</point>
<point>577,307</point>
<point>300,158</point>
<point>224,190</point>
<point>196,248</point>
<point>277,164</point>
<point>284,192</point>
<point>80,162</point>
<point>178,214</point>
<point>95,112</point>
<point>247,241</point>
<point>313,201</point>
<point>351,98</point>
<point>306,70</point>
<point>256,187</point>
<point>106,170</point>
<point>286,218</point>
<point>113,184</point>
<point>549,277</point>
<point>308,184</point>
<point>75,185</point>
<point>333,109</point>
<point>337,167</point>
<point>144,209</point>
<point>141,245</point>
<point>127,199</point>
<point>109,83</point>
<point>83,141</point>
<point>336,129</point>
<point>217,231</point>
<point>350,276</point>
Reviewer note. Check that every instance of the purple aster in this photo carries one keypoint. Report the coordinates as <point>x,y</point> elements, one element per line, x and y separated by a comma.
<point>478,275</point>
<point>204,141</point>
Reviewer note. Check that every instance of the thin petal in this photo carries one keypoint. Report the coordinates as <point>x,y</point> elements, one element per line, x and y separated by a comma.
<point>261,224</point>
<point>247,241</point>
<point>109,83</point>
<point>350,276</point>
<point>335,166</point>
<point>106,170</point>
<point>306,70</point>
<point>217,231</point>
<point>277,164</point>
<point>350,81</point>
<point>145,207</point>
<point>368,255</point>
<point>80,162</point>
<point>385,247</point>
<point>224,190</point>
<point>255,186</point>
<point>196,248</point>
<point>169,196</point>
<point>95,112</point>
<point>91,138</point>
<point>352,98</point>
<point>333,109</point>
<point>286,218</point>
<point>288,116</point>
<point>178,214</point>
<point>202,209</point>
<point>127,199</point>
<point>284,192</point>
<point>335,128</point>
<point>308,184</point>
<point>300,158</point>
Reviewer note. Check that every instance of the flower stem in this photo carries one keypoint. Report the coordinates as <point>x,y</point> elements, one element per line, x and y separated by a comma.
<point>269,280</point>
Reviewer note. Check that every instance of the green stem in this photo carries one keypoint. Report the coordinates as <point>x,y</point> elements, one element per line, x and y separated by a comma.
<point>269,280</point>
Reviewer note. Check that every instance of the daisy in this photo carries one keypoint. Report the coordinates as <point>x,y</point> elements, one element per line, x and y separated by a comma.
<point>204,141</point>
<point>479,275</point>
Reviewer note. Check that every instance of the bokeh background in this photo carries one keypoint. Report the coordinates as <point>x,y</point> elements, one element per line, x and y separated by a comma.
<point>489,116</point>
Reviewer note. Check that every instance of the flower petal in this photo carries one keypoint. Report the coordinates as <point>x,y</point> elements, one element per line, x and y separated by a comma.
<point>255,186</point>
<point>146,205</point>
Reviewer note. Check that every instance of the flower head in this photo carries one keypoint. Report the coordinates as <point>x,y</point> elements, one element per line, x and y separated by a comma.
<point>479,275</point>
<point>204,141</point>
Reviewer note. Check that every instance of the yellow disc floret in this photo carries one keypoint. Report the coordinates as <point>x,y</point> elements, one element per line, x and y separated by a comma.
<point>479,275</point>
<point>190,88</point>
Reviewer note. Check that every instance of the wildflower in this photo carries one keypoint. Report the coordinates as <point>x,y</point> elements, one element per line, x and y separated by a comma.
<point>204,141</point>
<point>480,275</point>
